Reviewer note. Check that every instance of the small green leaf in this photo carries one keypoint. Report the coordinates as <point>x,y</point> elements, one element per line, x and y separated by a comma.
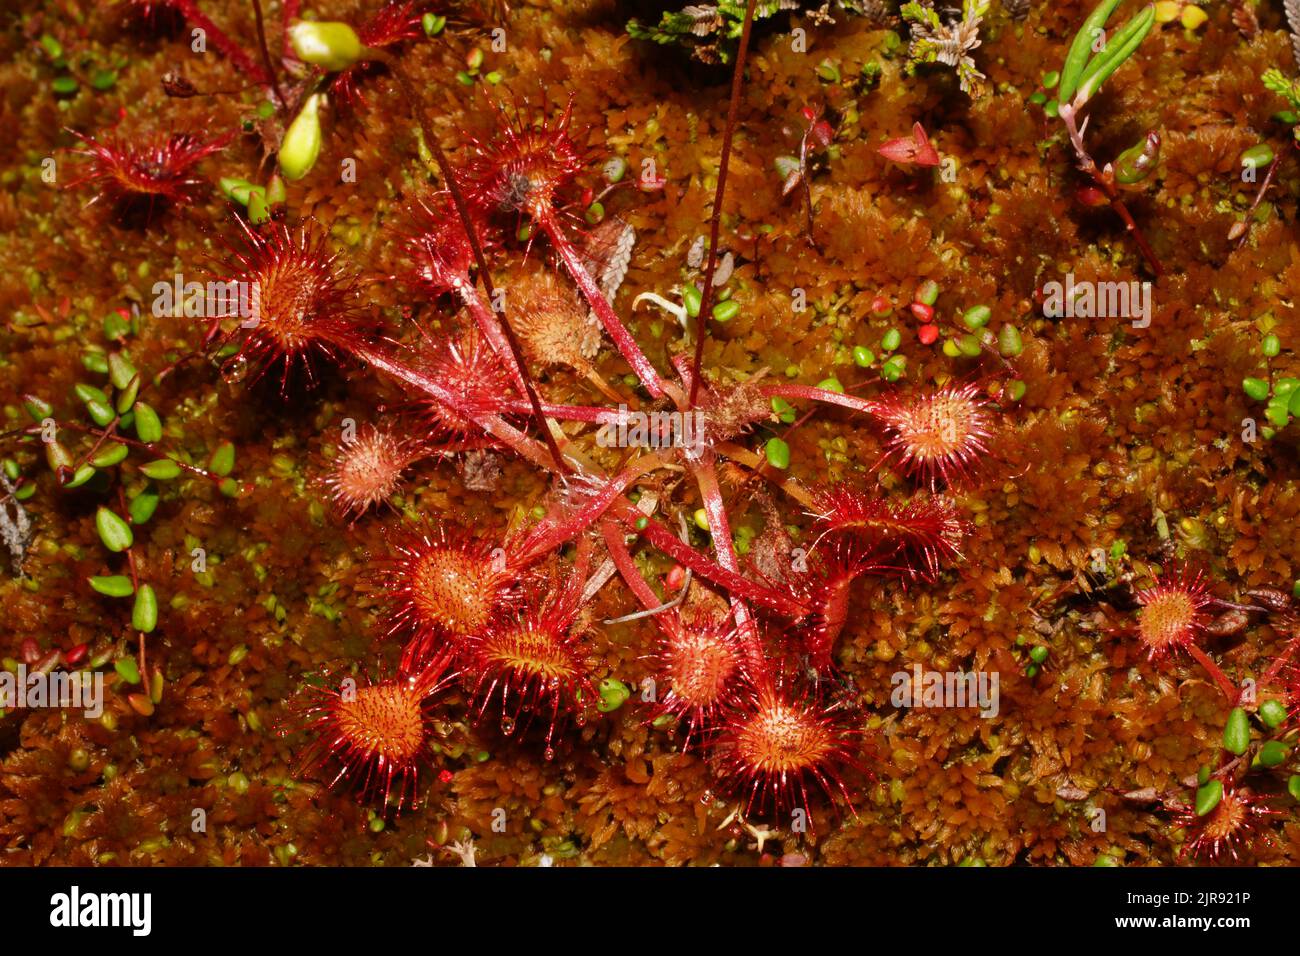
<point>783,410</point>
<point>726,311</point>
<point>222,461</point>
<point>1272,713</point>
<point>144,615</point>
<point>1272,753</point>
<point>259,209</point>
<point>148,426</point>
<point>778,453</point>
<point>1118,49</point>
<point>82,475</point>
<point>977,316</point>
<point>113,531</point>
<point>691,299</point>
<point>1081,49</point>
<point>301,144</point>
<point>1208,797</point>
<point>1277,409</point>
<point>236,189</point>
<point>1236,732</point>
<point>143,505</point>
<point>126,398</point>
<point>831,384</point>
<point>162,469</point>
<point>1255,388</point>
<point>120,370</point>
<point>89,393</point>
<point>115,585</point>
<point>110,455</point>
<point>1293,786</point>
<point>127,670</point>
<point>38,408</point>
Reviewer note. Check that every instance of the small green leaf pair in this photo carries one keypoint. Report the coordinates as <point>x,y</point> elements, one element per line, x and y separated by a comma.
<point>1086,69</point>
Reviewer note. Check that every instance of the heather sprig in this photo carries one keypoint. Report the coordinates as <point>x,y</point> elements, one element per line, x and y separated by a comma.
<point>934,41</point>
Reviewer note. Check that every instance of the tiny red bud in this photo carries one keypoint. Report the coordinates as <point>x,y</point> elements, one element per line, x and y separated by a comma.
<point>1091,196</point>
<point>808,113</point>
<point>676,578</point>
<point>445,776</point>
<point>928,334</point>
<point>880,306</point>
<point>31,651</point>
<point>923,312</point>
<point>77,654</point>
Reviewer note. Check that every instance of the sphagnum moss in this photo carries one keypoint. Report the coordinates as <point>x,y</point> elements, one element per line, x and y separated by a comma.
<point>1094,394</point>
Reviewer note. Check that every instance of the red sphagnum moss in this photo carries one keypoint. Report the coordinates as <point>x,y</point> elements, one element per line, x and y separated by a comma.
<point>640,578</point>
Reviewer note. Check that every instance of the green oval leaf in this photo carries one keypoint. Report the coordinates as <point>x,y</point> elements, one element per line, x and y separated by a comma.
<point>1208,797</point>
<point>163,469</point>
<point>1236,732</point>
<point>142,506</point>
<point>113,531</point>
<point>114,585</point>
<point>222,461</point>
<point>109,456</point>
<point>148,426</point>
<point>144,616</point>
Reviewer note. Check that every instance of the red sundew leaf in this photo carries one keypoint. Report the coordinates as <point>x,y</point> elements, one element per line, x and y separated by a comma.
<point>915,150</point>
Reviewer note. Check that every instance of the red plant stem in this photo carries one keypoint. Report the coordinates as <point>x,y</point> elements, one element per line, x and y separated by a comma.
<point>493,425</point>
<point>289,13</point>
<point>1259,197</point>
<point>471,234</point>
<point>1280,661</point>
<point>593,414</point>
<point>551,534</point>
<point>706,303</point>
<point>618,332</point>
<point>608,500</point>
<point>626,565</point>
<point>132,443</point>
<point>228,48</point>
<point>706,478</point>
<point>1106,181</point>
<point>491,329</point>
<point>266,53</point>
<point>1230,690</point>
<point>662,538</point>
<point>812,393</point>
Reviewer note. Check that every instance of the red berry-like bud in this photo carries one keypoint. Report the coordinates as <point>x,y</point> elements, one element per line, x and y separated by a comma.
<point>923,312</point>
<point>928,334</point>
<point>1091,196</point>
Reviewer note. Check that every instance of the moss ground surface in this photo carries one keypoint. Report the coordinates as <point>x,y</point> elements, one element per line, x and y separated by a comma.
<point>1122,433</point>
